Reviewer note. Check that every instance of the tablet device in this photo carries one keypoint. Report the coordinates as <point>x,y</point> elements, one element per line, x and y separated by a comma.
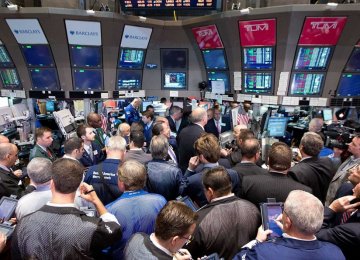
<point>188,202</point>
<point>6,230</point>
<point>88,211</point>
<point>7,208</point>
<point>269,213</point>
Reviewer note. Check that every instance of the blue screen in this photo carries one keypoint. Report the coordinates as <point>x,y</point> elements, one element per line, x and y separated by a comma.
<point>327,114</point>
<point>349,85</point>
<point>175,80</point>
<point>258,58</point>
<point>85,56</point>
<point>219,76</point>
<point>173,58</point>
<point>353,63</point>
<point>129,79</point>
<point>9,78</point>
<point>44,79</point>
<point>38,55</point>
<point>257,82</point>
<point>307,83</point>
<point>5,60</point>
<point>215,59</point>
<point>277,126</point>
<point>87,79</point>
<point>273,213</point>
<point>131,58</point>
<point>312,58</point>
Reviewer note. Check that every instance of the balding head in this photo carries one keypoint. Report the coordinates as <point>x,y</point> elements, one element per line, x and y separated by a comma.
<point>316,125</point>
<point>4,139</point>
<point>8,154</point>
<point>123,130</point>
<point>199,116</point>
<point>136,102</point>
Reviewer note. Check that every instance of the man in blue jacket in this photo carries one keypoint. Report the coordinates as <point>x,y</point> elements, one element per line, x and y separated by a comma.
<point>131,111</point>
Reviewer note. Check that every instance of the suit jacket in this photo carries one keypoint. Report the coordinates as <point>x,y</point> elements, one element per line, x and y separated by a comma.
<point>210,127</point>
<point>186,140</point>
<point>148,133</point>
<point>248,168</point>
<point>315,173</point>
<point>37,151</point>
<point>183,124</point>
<point>138,155</point>
<point>99,156</point>
<point>257,188</point>
<point>9,185</point>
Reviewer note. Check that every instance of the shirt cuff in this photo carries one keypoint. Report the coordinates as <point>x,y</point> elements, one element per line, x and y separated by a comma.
<point>251,244</point>
<point>108,217</point>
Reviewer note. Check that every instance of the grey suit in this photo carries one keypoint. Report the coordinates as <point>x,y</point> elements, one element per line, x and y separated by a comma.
<point>138,155</point>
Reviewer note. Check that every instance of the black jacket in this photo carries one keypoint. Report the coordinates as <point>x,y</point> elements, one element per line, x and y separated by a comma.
<point>9,185</point>
<point>248,168</point>
<point>211,128</point>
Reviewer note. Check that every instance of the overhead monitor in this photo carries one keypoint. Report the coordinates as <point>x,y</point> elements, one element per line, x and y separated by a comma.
<point>129,79</point>
<point>5,60</point>
<point>174,58</point>
<point>38,55</point>
<point>85,56</point>
<point>135,5</point>
<point>349,85</point>
<point>44,79</point>
<point>174,80</point>
<point>87,79</point>
<point>131,58</point>
<point>353,63</point>
<point>277,126</point>
<point>327,114</point>
<point>307,84</point>
<point>10,79</point>
<point>215,59</point>
<point>258,58</point>
<point>219,76</point>
<point>258,82</point>
<point>312,58</point>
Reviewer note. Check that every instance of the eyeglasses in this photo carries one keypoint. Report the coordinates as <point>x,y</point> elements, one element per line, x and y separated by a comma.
<point>189,239</point>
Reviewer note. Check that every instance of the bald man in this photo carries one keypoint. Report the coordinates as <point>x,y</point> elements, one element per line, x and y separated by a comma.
<point>4,139</point>
<point>94,120</point>
<point>124,131</point>
<point>132,111</point>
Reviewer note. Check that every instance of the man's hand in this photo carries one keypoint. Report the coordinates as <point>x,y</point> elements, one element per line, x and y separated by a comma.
<point>356,191</point>
<point>18,173</point>
<point>225,152</point>
<point>2,241</point>
<point>262,234</point>
<point>194,162</point>
<point>182,254</point>
<point>343,204</point>
<point>88,193</point>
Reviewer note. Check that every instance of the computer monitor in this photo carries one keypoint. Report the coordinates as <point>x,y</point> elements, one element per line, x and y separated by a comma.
<point>144,104</point>
<point>353,63</point>
<point>258,82</point>
<point>5,60</point>
<point>307,84</point>
<point>87,79</point>
<point>85,56</point>
<point>10,79</point>
<point>219,76</point>
<point>349,85</point>
<point>38,55</point>
<point>327,114</point>
<point>129,79</point>
<point>312,58</point>
<point>258,58</point>
<point>44,79</point>
<point>276,126</point>
<point>131,58</point>
<point>215,59</point>
<point>174,59</point>
<point>174,80</point>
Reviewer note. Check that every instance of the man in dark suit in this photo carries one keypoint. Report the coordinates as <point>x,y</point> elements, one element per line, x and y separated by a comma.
<point>42,148</point>
<point>218,124</point>
<point>94,120</point>
<point>136,152</point>
<point>276,184</point>
<point>176,120</point>
<point>148,120</point>
<point>313,171</point>
<point>189,135</point>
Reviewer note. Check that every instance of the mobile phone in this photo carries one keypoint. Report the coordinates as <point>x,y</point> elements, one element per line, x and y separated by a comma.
<point>269,213</point>
<point>355,201</point>
<point>213,256</point>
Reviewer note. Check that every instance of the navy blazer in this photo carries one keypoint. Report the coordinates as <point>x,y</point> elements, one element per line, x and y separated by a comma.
<point>99,156</point>
<point>148,134</point>
<point>211,128</point>
<point>184,123</point>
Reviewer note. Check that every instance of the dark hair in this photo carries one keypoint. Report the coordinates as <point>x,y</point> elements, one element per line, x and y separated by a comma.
<point>245,134</point>
<point>149,106</point>
<point>218,180</point>
<point>72,144</point>
<point>136,126</point>
<point>39,132</point>
<point>148,113</point>
<point>280,156</point>
<point>208,146</point>
<point>157,129</point>
<point>67,175</point>
<point>175,219</point>
<point>138,138</point>
<point>81,130</point>
<point>250,147</point>
<point>163,100</point>
<point>311,144</point>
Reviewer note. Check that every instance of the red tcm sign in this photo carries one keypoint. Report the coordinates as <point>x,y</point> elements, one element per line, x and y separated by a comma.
<point>207,37</point>
<point>322,30</point>
<point>258,32</point>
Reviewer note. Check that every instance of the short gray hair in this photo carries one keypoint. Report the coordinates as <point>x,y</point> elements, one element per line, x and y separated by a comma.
<point>116,143</point>
<point>133,174</point>
<point>159,147</point>
<point>174,110</point>
<point>305,211</point>
<point>198,114</point>
<point>316,125</point>
<point>5,149</point>
<point>312,143</point>
<point>39,170</point>
<point>121,128</point>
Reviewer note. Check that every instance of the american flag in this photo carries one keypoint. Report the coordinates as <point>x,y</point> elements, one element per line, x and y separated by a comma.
<point>242,119</point>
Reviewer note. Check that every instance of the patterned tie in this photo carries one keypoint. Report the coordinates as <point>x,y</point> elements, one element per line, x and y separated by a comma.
<point>218,126</point>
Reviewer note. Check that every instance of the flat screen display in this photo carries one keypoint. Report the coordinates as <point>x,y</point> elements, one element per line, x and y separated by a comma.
<point>174,80</point>
<point>87,79</point>
<point>258,82</point>
<point>219,76</point>
<point>312,58</point>
<point>174,58</point>
<point>349,85</point>
<point>132,5</point>
<point>353,63</point>
<point>327,114</point>
<point>131,58</point>
<point>258,58</point>
<point>5,60</point>
<point>215,59</point>
<point>10,78</point>
<point>44,79</point>
<point>85,56</point>
<point>38,55</point>
<point>277,126</point>
<point>306,83</point>
<point>129,79</point>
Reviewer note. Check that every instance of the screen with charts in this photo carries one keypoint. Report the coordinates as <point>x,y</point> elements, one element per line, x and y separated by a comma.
<point>174,58</point>
<point>87,79</point>
<point>85,56</point>
<point>174,80</point>
<point>258,58</point>
<point>131,58</point>
<point>44,79</point>
<point>5,60</point>
<point>38,55</point>
<point>312,58</point>
<point>215,59</point>
<point>349,85</point>
<point>353,63</point>
<point>219,76</point>
<point>258,82</point>
<point>307,83</point>
<point>129,79</point>
<point>277,126</point>
<point>10,79</point>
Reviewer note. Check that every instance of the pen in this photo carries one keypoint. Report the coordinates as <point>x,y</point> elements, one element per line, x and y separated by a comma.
<point>87,192</point>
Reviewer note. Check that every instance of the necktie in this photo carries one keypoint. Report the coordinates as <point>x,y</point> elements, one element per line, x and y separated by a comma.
<point>49,153</point>
<point>172,154</point>
<point>218,126</point>
<point>91,154</point>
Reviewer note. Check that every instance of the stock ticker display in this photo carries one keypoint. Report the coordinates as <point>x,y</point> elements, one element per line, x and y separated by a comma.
<point>128,5</point>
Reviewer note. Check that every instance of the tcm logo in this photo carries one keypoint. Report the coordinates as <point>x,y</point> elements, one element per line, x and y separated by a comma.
<point>84,33</point>
<point>27,31</point>
<point>206,32</point>
<point>136,37</point>
<point>324,25</point>
<point>257,27</point>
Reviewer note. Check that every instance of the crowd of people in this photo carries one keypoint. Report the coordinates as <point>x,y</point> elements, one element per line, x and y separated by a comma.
<point>133,181</point>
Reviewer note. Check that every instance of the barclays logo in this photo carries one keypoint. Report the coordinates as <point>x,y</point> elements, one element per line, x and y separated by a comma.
<point>84,33</point>
<point>72,32</point>
<point>27,31</point>
<point>136,37</point>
